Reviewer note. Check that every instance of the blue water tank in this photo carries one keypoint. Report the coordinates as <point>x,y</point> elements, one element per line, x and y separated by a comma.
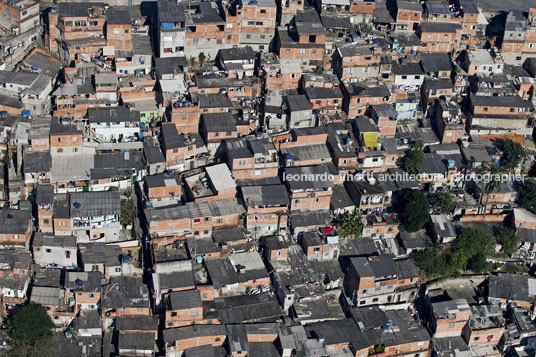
<point>199,259</point>
<point>35,68</point>
<point>288,156</point>
<point>79,282</point>
<point>451,163</point>
<point>3,114</point>
<point>126,258</point>
<point>25,113</point>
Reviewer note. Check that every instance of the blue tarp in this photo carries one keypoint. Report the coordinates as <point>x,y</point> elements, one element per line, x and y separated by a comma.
<point>166,25</point>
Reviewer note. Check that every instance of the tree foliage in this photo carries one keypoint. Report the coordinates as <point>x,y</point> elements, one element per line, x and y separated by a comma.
<point>202,57</point>
<point>30,325</point>
<point>414,159</point>
<point>349,225</point>
<point>513,153</point>
<point>469,251</point>
<point>509,240</point>
<point>527,195</point>
<point>433,262</point>
<point>416,211</point>
<point>493,170</point>
<point>442,202</point>
<point>128,211</point>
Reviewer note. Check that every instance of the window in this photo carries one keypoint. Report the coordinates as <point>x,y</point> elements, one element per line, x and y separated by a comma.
<point>404,77</point>
<point>58,140</point>
<point>358,100</point>
<point>485,109</point>
<point>302,50</point>
<point>91,295</point>
<point>219,220</point>
<point>193,313</point>
<point>197,220</point>
<point>251,23</point>
<point>263,11</point>
<point>451,325</point>
<point>377,289</point>
<point>375,300</point>
<point>259,23</point>
<point>206,219</point>
<point>170,324</point>
<point>317,200</point>
<point>362,302</point>
<point>118,270</point>
<point>417,77</point>
<point>173,313</point>
<point>47,250</point>
<point>217,339</point>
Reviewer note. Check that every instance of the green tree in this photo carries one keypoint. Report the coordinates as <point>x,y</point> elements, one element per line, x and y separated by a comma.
<point>128,211</point>
<point>202,57</point>
<point>442,202</point>
<point>433,262</point>
<point>416,211</point>
<point>349,225</point>
<point>527,195</point>
<point>478,264</point>
<point>318,70</point>
<point>493,184</point>
<point>509,240</point>
<point>30,325</point>
<point>414,159</point>
<point>468,244</point>
<point>513,153</point>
